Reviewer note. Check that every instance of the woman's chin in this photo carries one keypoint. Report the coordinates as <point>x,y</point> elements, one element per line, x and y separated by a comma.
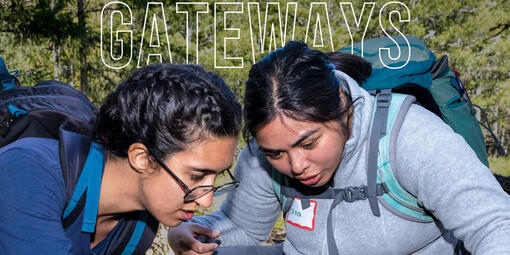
<point>319,184</point>
<point>171,221</point>
<point>323,179</point>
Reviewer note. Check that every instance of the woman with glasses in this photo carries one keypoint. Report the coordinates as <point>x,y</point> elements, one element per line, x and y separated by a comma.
<point>160,140</point>
<point>311,121</point>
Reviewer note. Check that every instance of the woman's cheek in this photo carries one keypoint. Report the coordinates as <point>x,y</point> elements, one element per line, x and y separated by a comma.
<point>168,197</point>
<point>281,166</point>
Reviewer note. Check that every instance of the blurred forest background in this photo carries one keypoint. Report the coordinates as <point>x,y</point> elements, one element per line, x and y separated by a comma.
<point>63,40</point>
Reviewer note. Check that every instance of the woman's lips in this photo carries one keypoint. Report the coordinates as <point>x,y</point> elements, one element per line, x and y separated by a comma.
<point>310,180</point>
<point>187,215</point>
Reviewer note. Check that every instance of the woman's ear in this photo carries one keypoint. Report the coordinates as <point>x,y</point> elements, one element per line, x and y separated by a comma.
<point>343,97</point>
<point>139,158</point>
<point>347,118</point>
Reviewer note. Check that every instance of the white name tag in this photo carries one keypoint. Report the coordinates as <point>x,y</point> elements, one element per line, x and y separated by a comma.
<point>302,218</point>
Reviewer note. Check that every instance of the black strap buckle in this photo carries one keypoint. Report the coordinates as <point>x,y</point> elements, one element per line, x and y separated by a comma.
<point>352,194</point>
<point>380,189</point>
<point>383,100</point>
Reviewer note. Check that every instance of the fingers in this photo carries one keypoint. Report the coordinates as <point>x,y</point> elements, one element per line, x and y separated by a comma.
<point>197,247</point>
<point>203,248</point>
<point>186,239</point>
<point>199,230</point>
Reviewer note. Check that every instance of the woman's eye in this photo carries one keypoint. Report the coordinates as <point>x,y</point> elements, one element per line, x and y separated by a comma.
<point>195,177</point>
<point>275,155</point>
<point>310,145</point>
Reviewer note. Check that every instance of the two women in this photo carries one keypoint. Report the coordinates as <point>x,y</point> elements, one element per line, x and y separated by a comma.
<point>160,140</point>
<point>168,130</point>
<point>311,127</point>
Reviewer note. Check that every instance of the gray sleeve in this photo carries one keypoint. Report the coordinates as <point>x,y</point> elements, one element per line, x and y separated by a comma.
<point>438,166</point>
<point>248,214</point>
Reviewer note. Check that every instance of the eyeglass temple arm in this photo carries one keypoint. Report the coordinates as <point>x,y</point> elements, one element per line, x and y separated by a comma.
<point>171,173</point>
<point>177,178</point>
<point>236,182</point>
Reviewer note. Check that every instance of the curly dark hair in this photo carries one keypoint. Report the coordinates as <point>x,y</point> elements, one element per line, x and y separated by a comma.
<point>167,107</point>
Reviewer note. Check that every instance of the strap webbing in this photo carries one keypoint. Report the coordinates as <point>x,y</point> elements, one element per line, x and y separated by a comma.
<point>383,100</point>
<point>90,181</point>
<point>80,188</point>
<point>486,124</point>
<point>332,248</point>
<point>348,194</point>
<point>94,167</point>
<point>137,235</point>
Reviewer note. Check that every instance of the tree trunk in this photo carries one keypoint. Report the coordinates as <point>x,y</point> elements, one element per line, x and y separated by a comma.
<point>57,52</point>
<point>84,81</point>
<point>71,74</point>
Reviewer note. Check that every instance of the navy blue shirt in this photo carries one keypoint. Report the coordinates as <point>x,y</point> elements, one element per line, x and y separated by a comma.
<point>32,202</point>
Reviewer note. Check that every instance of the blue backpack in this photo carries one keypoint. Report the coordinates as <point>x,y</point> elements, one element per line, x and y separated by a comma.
<point>55,110</point>
<point>424,80</point>
<point>7,79</point>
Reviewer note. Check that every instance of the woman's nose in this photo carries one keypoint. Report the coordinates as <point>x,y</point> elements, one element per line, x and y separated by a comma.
<point>298,162</point>
<point>206,200</point>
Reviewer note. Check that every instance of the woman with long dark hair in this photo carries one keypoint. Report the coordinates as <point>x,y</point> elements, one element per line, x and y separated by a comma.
<point>311,124</point>
<point>160,140</point>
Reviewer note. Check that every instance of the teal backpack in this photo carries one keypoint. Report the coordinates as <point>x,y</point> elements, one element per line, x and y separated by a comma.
<point>422,79</point>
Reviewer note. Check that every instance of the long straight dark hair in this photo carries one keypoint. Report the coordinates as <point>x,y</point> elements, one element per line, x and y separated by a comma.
<point>299,83</point>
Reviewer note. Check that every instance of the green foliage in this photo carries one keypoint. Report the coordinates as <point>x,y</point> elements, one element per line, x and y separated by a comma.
<point>500,165</point>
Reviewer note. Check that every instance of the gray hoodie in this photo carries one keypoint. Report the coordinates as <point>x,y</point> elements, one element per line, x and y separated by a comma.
<point>432,162</point>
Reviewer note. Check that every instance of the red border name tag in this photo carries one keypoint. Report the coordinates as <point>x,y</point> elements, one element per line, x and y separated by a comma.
<point>302,218</point>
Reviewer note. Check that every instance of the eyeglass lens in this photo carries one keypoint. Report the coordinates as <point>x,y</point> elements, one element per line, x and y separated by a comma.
<point>201,191</point>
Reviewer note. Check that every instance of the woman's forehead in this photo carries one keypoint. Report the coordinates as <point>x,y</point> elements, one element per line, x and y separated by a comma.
<point>215,154</point>
<point>285,132</point>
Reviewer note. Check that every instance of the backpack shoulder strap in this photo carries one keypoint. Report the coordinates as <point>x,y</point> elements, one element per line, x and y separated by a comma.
<point>139,228</point>
<point>396,199</point>
<point>73,150</point>
<point>279,181</point>
<point>377,131</point>
<point>136,236</point>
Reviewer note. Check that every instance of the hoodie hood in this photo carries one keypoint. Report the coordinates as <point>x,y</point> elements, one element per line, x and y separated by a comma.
<point>361,116</point>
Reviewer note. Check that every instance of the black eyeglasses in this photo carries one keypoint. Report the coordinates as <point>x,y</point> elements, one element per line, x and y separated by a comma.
<point>200,191</point>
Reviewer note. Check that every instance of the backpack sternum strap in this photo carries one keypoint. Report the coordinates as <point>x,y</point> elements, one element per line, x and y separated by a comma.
<point>352,194</point>
<point>286,194</point>
<point>349,194</point>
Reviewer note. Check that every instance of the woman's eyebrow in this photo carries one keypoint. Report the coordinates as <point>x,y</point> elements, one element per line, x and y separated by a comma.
<point>296,143</point>
<point>204,171</point>
<point>304,136</point>
<point>266,150</point>
<point>210,171</point>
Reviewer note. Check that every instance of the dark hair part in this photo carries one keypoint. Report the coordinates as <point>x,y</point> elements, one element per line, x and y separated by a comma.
<point>167,107</point>
<point>299,83</point>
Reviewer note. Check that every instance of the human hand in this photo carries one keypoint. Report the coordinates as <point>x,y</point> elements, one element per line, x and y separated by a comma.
<point>191,239</point>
